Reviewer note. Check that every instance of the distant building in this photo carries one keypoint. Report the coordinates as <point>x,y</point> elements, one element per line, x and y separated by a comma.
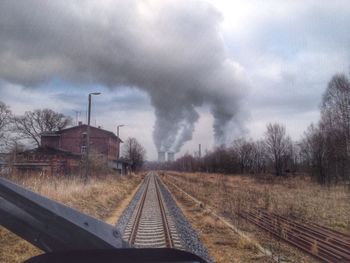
<point>73,139</point>
<point>63,152</point>
<point>171,156</point>
<point>161,156</point>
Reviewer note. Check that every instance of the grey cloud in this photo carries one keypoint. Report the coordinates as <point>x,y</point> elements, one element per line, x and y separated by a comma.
<point>170,49</point>
<point>123,99</point>
<point>303,45</point>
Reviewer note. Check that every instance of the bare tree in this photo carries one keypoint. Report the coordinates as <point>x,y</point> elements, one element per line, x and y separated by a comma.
<point>5,120</point>
<point>336,106</point>
<point>186,163</point>
<point>277,145</point>
<point>314,153</point>
<point>335,125</point>
<point>260,157</point>
<point>33,123</point>
<point>134,152</point>
<point>245,151</point>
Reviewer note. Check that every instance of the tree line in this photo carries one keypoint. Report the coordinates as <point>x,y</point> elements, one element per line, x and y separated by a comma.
<point>323,152</point>
<point>275,153</point>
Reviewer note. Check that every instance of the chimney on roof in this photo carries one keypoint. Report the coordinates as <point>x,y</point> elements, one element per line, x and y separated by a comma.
<point>80,123</point>
<point>99,127</point>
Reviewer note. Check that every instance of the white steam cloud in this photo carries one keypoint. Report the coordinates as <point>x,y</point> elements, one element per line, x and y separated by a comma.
<point>171,49</point>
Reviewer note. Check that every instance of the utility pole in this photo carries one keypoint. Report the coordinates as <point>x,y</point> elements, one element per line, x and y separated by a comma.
<point>87,168</point>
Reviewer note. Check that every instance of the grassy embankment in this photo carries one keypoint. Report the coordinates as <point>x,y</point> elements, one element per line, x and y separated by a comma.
<point>103,198</point>
<point>295,197</point>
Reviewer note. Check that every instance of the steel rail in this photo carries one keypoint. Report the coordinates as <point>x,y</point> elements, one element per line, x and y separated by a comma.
<point>298,238</point>
<point>139,213</point>
<point>167,232</point>
<point>319,242</point>
<point>335,238</point>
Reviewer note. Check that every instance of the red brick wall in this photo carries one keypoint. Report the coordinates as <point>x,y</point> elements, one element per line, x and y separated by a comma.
<point>72,139</point>
<point>50,141</point>
<point>101,142</point>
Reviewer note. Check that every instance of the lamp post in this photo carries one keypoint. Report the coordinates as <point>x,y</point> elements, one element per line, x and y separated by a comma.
<point>122,125</point>
<point>88,138</point>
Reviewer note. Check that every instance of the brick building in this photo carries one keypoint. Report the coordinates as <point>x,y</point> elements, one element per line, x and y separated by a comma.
<point>73,139</point>
<point>62,152</point>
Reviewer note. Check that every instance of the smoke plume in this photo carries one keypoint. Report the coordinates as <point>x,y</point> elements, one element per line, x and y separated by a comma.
<point>171,49</point>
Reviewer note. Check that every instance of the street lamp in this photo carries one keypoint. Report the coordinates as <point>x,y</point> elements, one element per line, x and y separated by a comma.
<point>88,137</point>
<point>122,125</point>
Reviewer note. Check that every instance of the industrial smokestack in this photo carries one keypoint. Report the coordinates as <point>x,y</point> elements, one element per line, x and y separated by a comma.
<point>199,150</point>
<point>171,156</point>
<point>161,157</point>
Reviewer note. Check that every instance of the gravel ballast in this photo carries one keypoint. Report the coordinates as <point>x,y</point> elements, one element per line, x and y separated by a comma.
<point>127,213</point>
<point>188,236</point>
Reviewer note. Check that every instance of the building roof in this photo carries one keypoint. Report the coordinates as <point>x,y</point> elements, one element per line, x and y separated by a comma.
<point>57,133</point>
<point>49,151</point>
<point>50,134</point>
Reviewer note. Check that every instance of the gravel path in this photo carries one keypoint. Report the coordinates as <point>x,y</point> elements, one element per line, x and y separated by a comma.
<point>188,236</point>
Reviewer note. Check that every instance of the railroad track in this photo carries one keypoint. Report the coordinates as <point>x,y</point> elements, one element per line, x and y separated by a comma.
<point>323,243</point>
<point>151,225</point>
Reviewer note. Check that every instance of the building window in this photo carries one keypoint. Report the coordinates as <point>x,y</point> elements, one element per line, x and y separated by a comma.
<point>83,149</point>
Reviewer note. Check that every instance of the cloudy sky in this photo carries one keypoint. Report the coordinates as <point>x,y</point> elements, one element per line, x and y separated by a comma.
<point>176,72</point>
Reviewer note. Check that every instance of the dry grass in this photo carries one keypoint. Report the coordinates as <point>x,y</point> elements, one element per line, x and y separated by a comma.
<point>224,245</point>
<point>295,197</point>
<point>99,198</point>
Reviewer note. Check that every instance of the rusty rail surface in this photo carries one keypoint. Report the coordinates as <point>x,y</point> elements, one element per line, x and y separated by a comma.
<point>323,243</point>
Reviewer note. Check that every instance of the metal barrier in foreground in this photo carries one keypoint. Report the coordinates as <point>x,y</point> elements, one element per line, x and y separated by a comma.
<point>69,235</point>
